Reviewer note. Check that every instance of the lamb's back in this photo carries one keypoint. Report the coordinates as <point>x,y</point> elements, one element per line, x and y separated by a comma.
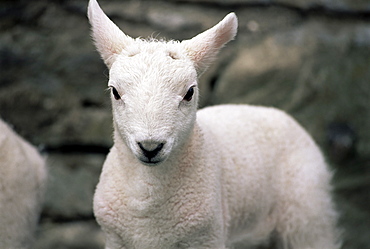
<point>245,131</point>
<point>254,143</point>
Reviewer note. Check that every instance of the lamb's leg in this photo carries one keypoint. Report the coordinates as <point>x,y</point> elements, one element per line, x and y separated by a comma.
<point>317,232</point>
<point>306,216</point>
<point>112,241</point>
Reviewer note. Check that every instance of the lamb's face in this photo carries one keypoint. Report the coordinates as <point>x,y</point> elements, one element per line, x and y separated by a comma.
<point>154,98</point>
<point>154,86</point>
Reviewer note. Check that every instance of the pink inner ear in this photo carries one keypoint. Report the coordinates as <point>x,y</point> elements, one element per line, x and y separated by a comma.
<point>227,29</point>
<point>109,39</point>
<point>203,48</point>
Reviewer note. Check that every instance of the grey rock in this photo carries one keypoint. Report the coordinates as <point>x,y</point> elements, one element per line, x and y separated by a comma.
<point>310,58</point>
<point>71,185</point>
<point>74,235</point>
<point>338,5</point>
<point>314,72</point>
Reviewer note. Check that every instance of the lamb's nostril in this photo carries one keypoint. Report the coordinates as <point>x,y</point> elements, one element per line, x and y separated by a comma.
<point>150,149</point>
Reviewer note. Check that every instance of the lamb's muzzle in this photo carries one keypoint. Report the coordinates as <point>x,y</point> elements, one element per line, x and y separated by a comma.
<point>150,150</point>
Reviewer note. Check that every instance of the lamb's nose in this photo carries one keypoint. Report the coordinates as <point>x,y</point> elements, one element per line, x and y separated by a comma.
<point>150,148</point>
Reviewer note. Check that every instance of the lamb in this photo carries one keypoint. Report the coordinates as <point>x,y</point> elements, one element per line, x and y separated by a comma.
<point>22,184</point>
<point>229,176</point>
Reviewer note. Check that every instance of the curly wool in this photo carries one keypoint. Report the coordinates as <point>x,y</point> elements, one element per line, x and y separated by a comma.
<point>231,176</point>
<point>22,185</point>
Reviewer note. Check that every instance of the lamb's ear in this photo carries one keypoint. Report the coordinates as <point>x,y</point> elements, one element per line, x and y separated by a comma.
<point>203,48</point>
<point>108,38</point>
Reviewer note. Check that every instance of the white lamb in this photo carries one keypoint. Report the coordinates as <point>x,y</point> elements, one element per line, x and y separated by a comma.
<point>232,176</point>
<point>22,182</point>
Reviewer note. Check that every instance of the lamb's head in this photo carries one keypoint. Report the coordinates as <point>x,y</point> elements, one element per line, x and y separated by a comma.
<point>154,83</point>
<point>154,99</point>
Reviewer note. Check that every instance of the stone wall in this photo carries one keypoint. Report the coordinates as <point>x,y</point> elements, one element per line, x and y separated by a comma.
<point>308,57</point>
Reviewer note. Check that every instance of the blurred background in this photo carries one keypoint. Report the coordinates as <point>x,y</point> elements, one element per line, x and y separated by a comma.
<point>310,58</point>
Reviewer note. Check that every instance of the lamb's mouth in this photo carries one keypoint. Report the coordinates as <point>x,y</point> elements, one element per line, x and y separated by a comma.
<point>150,161</point>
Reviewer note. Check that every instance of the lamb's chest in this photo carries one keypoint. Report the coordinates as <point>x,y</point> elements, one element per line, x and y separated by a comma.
<point>152,220</point>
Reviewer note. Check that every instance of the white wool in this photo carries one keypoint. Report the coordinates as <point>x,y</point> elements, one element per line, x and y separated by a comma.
<point>22,180</point>
<point>224,177</point>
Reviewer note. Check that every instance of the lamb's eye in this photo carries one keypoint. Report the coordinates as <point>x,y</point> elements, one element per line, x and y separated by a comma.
<point>189,94</point>
<point>115,93</point>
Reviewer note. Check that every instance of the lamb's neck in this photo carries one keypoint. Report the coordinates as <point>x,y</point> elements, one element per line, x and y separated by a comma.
<point>148,189</point>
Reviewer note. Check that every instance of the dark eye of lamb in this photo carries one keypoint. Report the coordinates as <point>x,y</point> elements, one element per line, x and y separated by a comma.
<point>115,93</point>
<point>189,94</point>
